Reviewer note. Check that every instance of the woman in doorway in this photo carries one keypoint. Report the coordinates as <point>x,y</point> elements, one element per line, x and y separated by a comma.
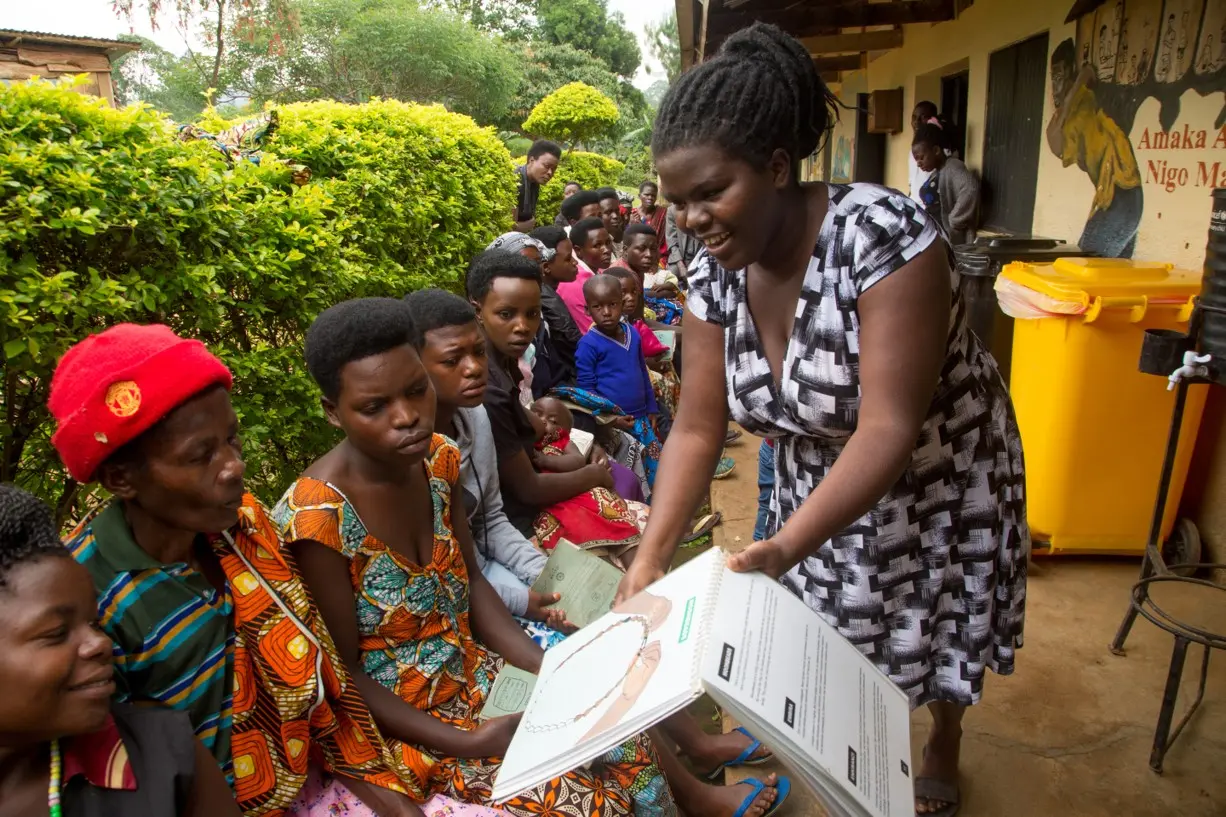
<point>823,316</point>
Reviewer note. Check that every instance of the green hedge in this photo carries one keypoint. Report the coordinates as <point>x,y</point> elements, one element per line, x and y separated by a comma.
<point>106,217</point>
<point>589,169</point>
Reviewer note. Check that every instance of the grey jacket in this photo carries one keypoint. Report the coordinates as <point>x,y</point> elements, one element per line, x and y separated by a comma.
<point>959,190</point>
<point>496,538</point>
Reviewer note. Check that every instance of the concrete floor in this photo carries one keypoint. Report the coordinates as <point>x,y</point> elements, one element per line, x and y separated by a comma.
<point>1070,731</point>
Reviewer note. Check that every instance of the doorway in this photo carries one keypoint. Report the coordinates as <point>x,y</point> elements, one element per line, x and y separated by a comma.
<point>1017,83</point>
<point>953,107</point>
<point>870,147</point>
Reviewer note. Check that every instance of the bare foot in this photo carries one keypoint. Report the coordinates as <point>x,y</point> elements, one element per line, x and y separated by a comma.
<point>717,750</point>
<point>940,762</point>
<point>723,801</point>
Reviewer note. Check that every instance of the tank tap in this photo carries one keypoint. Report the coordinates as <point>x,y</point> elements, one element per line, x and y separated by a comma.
<point>1193,366</point>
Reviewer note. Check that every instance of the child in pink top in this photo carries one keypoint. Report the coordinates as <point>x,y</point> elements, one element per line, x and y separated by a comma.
<point>594,251</point>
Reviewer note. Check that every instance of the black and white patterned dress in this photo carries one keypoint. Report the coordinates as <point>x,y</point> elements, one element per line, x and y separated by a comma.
<point>931,584</point>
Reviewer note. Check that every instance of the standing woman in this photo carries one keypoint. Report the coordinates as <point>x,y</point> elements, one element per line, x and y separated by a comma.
<point>898,512</point>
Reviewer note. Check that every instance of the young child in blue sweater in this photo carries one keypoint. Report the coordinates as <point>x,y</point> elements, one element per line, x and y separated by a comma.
<point>610,363</point>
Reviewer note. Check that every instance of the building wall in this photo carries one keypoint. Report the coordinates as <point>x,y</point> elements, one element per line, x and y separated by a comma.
<point>1171,125</point>
<point>53,61</point>
<point>1152,101</point>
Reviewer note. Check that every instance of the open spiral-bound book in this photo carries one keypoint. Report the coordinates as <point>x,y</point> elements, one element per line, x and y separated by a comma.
<point>836,722</point>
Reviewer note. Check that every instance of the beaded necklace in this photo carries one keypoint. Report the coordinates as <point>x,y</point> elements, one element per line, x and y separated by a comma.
<point>53,787</point>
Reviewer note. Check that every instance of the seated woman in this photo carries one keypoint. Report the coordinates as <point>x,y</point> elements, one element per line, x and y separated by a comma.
<point>106,760</point>
<point>395,573</point>
<point>394,570</point>
<point>148,414</point>
<point>548,364</point>
<point>451,334</point>
<point>558,266</point>
<point>543,365</point>
<point>509,328</point>
<point>453,350</point>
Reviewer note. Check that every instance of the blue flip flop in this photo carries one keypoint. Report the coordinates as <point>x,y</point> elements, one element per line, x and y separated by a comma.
<point>783,787</point>
<point>743,759</point>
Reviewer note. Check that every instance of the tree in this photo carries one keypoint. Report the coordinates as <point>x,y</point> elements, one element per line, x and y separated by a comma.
<point>665,43</point>
<point>575,113</point>
<point>588,26</point>
<point>222,21</point>
<point>170,83</point>
<point>512,19</point>
<point>546,67</point>
<point>353,50</point>
<point>655,93</point>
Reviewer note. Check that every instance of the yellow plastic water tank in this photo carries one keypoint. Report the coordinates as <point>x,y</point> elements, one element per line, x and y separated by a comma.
<point>1094,428</point>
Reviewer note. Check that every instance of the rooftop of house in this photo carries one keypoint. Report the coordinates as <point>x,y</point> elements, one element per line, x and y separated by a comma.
<point>12,38</point>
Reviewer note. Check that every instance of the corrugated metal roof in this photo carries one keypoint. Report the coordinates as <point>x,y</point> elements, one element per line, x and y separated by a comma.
<point>49,37</point>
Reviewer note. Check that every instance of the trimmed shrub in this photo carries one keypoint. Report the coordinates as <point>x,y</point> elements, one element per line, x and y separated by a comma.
<point>589,169</point>
<point>106,217</point>
<point>424,190</point>
<point>574,113</point>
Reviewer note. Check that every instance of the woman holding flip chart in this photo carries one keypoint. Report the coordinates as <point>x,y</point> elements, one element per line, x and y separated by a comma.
<point>827,317</point>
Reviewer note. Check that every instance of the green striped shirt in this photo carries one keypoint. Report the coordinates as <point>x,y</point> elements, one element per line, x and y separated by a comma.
<point>173,631</point>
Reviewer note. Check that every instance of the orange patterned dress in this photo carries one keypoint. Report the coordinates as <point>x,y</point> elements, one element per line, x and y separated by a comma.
<point>253,666</point>
<point>416,640</point>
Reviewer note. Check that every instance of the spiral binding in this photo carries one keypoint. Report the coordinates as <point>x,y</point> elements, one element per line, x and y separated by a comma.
<point>708,616</point>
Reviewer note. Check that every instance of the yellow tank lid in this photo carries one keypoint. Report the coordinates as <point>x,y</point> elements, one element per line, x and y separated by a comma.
<point>1083,279</point>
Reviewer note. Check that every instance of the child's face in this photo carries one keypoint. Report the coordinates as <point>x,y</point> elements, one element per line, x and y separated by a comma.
<point>554,414</point>
<point>630,295</point>
<point>604,304</point>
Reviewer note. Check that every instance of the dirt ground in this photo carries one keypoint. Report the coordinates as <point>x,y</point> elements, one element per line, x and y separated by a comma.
<point>1070,731</point>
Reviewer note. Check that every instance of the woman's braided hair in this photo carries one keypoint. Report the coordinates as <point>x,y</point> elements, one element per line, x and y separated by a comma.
<point>760,93</point>
<point>27,532</point>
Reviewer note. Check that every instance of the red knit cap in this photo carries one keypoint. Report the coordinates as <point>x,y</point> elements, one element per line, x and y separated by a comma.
<point>111,387</point>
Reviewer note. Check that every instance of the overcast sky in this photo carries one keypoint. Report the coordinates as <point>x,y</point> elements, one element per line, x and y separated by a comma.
<point>94,18</point>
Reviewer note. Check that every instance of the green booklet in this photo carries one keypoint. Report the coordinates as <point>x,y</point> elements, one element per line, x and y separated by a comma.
<point>510,693</point>
<point>669,338</point>
<point>587,583</point>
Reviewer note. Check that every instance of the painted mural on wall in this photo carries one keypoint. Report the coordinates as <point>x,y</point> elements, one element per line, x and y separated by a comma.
<point>840,166</point>
<point>1125,53</point>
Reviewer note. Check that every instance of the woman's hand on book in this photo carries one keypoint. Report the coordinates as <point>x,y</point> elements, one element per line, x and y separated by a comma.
<point>492,737</point>
<point>640,574</point>
<point>773,556</point>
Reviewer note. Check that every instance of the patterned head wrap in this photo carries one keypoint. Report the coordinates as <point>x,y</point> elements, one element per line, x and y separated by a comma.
<point>517,242</point>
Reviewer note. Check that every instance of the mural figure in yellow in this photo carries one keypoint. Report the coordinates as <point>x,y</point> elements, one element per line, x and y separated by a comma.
<point>1081,132</point>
